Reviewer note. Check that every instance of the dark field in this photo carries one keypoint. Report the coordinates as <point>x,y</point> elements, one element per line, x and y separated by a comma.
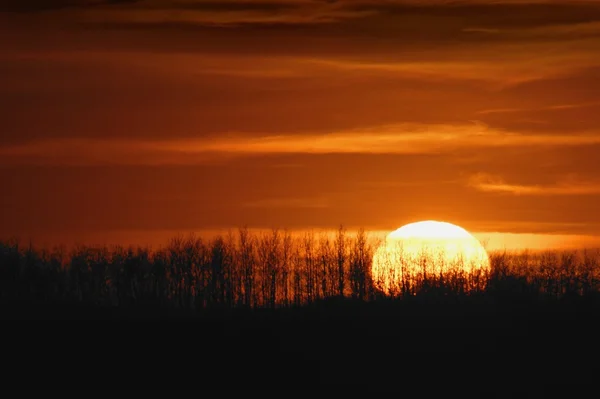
<point>475,347</point>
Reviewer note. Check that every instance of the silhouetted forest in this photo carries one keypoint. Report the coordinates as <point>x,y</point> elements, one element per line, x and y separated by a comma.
<point>270,270</point>
<point>305,311</point>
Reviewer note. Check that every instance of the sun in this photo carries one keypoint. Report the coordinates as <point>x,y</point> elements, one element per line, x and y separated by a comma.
<point>427,250</point>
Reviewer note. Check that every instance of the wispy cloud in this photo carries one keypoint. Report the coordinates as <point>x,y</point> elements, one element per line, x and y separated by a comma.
<point>43,5</point>
<point>557,107</point>
<point>503,64</point>
<point>226,14</point>
<point>395,139</point>
<point>489,183</point>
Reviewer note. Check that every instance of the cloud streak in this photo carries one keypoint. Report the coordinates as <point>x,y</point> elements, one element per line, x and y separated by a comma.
<point>558,107</point>
<point>45,5</point>
<point>494,184</point>
<point>395,139</point>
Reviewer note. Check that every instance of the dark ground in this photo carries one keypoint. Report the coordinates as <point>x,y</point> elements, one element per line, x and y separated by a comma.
<point>475,348</point>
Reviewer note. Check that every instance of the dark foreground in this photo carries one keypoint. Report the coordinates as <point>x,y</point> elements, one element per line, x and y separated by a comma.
<point>472,347</point>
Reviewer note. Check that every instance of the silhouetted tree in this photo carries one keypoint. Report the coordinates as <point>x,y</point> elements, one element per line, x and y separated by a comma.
<point>340,246</point>
<point>309,265</point>
<point>359,266</point>
<point>247,263</point>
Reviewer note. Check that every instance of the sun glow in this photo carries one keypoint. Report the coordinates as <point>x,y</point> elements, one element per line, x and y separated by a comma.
<point>427,250</point>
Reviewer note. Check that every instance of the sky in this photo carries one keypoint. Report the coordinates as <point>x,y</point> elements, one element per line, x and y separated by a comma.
<point>133,120</point>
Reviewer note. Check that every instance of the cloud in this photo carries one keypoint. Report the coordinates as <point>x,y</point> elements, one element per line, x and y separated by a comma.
<point>44,5</point>
<point>227,14</point>
<point>488,183</point>
<point>558,107</point>
<point>394,139</point>
<point>143,94</point>
<point>467,17</point>
<point>501,64</point>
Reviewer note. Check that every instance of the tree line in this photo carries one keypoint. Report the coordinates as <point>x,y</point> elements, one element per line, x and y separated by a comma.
<point>242,269</point>
<point>265,270</point>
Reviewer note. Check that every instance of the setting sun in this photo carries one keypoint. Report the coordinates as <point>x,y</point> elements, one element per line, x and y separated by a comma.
<point>428,248</point>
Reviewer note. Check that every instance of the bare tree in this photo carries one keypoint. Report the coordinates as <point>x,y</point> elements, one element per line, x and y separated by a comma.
<point>340,246</point>
<point>324,271</point>
<point>309,265</point>
<point>247,263</point>
<point>286,256</point>
<point>360,263</point>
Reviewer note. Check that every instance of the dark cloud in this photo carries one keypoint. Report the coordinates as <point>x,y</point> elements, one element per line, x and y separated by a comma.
<point>492,14</point>
<point>388,22</point>
<point>45,5</point>
<point>565,103</point>
<point>271,6</point>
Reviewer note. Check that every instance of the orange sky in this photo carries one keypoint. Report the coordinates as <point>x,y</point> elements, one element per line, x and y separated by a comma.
<point>140,118</point>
